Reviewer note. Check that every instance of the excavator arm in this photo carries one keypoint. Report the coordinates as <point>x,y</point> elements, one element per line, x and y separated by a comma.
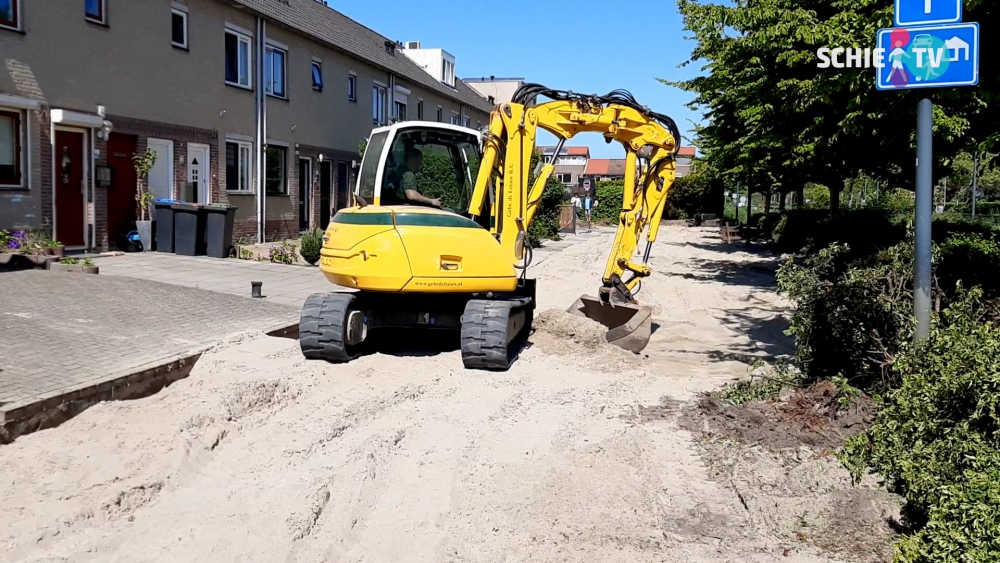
<point>650,141</point>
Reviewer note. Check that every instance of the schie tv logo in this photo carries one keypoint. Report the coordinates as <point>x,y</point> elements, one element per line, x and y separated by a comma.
<point>850,58</point>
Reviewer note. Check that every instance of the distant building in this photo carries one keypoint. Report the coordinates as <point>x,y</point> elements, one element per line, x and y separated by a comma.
<point>571,163</point>
<point>610,169</point>
<point>497,90</point>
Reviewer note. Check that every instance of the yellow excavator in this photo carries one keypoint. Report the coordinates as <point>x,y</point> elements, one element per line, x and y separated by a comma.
<point>460,262</point>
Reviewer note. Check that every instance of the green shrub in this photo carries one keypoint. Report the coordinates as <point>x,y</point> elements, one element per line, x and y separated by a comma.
<point>545,224</point>
<point>972,260</point>
<point>310,245</point>
<point>609,194</point>
<point>694,194</point>
<point>936,439</point>
<point>847,319</point>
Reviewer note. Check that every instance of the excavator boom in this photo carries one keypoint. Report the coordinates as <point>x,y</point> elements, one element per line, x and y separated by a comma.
<point>650,141</point>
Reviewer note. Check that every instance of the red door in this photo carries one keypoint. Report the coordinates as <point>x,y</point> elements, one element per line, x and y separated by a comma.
<point>69,188</point>
<point>121,192</point>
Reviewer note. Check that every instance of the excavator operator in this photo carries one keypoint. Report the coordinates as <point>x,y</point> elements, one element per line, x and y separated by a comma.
<point>404,179</point>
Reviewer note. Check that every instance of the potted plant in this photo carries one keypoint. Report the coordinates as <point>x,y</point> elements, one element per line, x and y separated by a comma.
<point>52,247</point>
<point>143,197</point>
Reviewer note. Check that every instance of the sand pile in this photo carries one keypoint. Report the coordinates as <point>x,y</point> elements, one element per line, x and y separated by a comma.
<point>561,333</point>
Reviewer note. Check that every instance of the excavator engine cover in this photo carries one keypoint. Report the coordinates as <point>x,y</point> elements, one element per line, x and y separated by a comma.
<point>629,326</point>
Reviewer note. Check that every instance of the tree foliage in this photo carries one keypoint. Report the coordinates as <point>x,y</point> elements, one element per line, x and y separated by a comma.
<point>775,121</point>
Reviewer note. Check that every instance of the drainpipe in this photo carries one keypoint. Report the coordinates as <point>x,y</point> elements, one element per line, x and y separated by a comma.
<point>92,205</point>
<point>260,139</point>
<point>392,98</point>
<point>52,151</point>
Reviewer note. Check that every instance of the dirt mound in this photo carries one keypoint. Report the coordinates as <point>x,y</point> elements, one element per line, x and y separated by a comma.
<point>567,327</point>
<point>812,416</point>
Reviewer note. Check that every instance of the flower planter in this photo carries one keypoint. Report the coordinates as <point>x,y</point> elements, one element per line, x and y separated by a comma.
<point>57,251</point>
<point>80,268</point>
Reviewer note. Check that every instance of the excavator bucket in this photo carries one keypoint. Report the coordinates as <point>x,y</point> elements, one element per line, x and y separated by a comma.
<point>629,326</point>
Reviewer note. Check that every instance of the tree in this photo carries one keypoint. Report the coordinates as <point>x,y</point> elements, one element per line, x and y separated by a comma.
<point>775,121</point>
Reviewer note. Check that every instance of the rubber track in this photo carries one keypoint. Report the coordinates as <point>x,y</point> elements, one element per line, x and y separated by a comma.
<point>321,327</point>
<point>484,335</point>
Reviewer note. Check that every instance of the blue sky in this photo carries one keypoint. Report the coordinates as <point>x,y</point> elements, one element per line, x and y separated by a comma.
<point>583,45</point>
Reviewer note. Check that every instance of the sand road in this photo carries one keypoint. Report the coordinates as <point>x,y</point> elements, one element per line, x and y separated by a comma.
<point>573,455</point>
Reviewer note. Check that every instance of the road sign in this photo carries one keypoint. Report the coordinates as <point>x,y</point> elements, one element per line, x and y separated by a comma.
<point>928,57</point>
<point>910,13</point>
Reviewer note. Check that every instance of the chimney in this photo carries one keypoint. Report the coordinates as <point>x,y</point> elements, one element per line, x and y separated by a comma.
<point>412,44</point>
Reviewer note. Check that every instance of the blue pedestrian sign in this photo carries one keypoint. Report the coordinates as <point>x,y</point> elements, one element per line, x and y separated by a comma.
<point>910,13</point>
<point>940,56</point>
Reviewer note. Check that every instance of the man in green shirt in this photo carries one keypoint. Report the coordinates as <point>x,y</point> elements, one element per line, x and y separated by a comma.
<point>406,178</point>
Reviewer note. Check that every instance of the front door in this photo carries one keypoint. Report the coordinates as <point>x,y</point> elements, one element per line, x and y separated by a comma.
<point>305,190</point>
<point>121,192</point>
<point>325,173</point>
<point>342,186</point>
<point>70,188</point>
<point>198,171</point>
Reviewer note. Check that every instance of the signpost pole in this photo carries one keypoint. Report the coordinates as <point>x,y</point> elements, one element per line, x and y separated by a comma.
<point>924,197</point>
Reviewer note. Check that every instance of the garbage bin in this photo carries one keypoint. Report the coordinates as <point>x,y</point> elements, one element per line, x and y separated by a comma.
<point>219,229</point>
<point>163,219</point>
<point>189,229</point>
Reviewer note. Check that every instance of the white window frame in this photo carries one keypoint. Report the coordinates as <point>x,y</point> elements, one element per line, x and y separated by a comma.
<point>379,96</point>
<point>184,16</point>
<point>467,122</point>
<point>352,87</point>
<point>269,51</point>
<point>103,19</point>
<point>400,104</point>
<point>17,17</point>
<point>240,147</point>
<point>21,148</point>
<point>454,118</point>
<point>242,38</point>
<point>420,109</point>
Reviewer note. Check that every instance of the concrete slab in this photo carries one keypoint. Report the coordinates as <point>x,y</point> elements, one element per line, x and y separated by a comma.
<point>70,337</point>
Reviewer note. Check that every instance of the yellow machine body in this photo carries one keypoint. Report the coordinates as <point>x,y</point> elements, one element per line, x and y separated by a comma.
<point>413,249</point>
<point>415,263</point>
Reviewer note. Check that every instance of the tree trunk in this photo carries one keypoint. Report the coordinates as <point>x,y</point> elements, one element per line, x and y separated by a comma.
<point>781,202</point>
<point>767,204</point>
<point>800,197</point>
<point>834,199</point>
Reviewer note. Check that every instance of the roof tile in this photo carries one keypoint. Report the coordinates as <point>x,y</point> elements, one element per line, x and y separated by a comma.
<point>333,28</point>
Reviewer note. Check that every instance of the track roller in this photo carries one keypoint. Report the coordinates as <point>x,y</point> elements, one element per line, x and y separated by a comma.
<point>331,327</point>
<point>489,327</point>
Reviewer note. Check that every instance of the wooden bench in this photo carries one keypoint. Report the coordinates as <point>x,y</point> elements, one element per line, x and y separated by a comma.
<point>729,234</point>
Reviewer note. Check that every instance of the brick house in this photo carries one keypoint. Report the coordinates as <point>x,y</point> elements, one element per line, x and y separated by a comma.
<point>609,169</point>
<point>231,95</point>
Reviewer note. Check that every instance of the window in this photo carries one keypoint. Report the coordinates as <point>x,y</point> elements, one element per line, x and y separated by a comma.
<point>378,104</point>
<point>369,166</point>
<point>274,71</point>
<point>10,149</point>
<point>237,59</point>
<point>178,29</point>
<point>448,73</point>
<point>317,70</point>
<point>9,15</point>
<point>352,88</point>
<point>565,178</point>
<point>401,111</point>
<point>238,166</point>
<point>439,117</point>
<point>274,170</point>
<point>95,10</point>
<point>454,118</point>
<point>468,122</point>
<point>420,110</point>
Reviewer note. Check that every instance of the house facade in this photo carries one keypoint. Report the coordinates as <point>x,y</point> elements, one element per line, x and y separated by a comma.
<point>500,90</point>
<point>257,103</point>
<point>570,163</point>
<point>611,169</point>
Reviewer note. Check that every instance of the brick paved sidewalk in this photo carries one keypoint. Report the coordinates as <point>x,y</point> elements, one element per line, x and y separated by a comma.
<point>64,333</point>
